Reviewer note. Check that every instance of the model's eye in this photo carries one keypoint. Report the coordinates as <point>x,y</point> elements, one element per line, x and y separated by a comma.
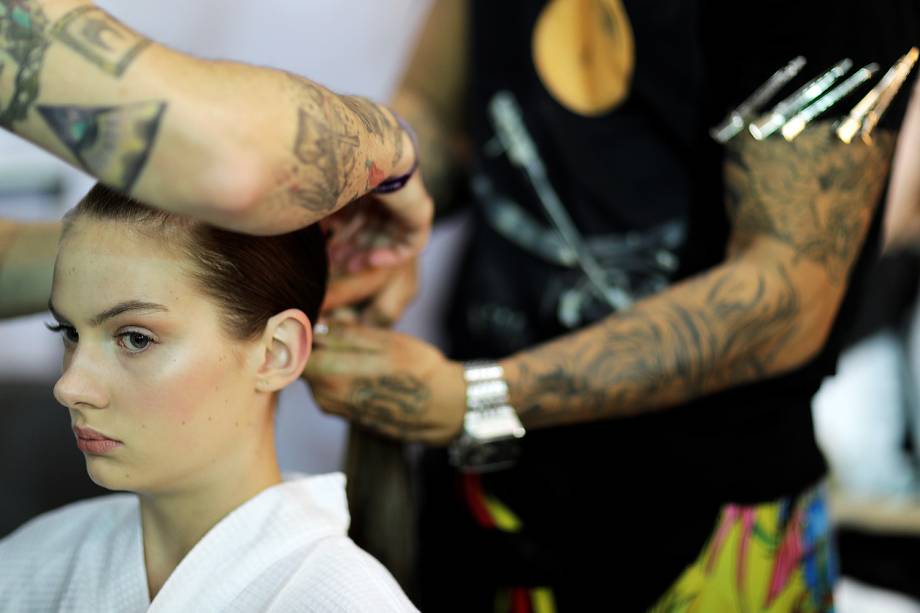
<point>134,342</point>
<point>68,333</point>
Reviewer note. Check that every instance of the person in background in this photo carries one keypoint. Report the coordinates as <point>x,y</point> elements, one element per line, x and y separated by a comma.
<point>663,369</point>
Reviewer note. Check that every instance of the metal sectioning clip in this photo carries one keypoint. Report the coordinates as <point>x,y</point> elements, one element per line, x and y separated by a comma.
<point>735,121</point>
<point>794,126</point>
<point>792,114</point>
<point>773,120</point>
<point>868,111</point>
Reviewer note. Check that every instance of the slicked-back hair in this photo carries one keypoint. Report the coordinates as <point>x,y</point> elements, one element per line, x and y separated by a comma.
<point>250,278</point>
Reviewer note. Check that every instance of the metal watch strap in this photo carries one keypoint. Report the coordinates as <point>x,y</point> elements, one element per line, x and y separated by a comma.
<point>491,426</point>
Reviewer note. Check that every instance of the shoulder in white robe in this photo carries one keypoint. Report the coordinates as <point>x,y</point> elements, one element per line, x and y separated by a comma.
<point>285,550</point>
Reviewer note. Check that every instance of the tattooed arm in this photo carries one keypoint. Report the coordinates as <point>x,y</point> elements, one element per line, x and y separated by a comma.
<point>800,213</point>
<point>27,252</point>
<point>248,148</point>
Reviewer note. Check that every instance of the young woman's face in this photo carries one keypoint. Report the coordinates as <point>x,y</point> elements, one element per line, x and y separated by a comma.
<point>146,363</point>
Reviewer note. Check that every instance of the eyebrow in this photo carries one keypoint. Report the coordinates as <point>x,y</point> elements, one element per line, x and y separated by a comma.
<point>118,309</point>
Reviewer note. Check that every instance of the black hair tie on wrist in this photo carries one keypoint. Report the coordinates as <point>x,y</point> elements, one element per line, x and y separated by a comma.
<point>393,184</point>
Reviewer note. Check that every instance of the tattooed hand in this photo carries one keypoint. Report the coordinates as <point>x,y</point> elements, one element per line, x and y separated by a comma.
<point>389,382</point>
<point>815,194</point>
<point>375,297</point>
<point>373,252</point>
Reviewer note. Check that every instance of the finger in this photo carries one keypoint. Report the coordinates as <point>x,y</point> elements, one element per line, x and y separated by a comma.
<point>340,316</point>
<point>361,343</point>
<point>389,257</point>
<point>356,287</point>
<point>327,362</point>
<point>388,304</point>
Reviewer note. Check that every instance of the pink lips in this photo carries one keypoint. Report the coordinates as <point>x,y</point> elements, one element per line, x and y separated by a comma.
<point>90,441</point>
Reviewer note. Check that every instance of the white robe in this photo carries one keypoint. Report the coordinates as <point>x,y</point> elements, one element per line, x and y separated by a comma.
<point>286,550</point>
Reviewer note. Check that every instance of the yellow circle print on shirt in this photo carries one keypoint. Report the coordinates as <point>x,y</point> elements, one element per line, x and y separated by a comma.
<point>584,52</point>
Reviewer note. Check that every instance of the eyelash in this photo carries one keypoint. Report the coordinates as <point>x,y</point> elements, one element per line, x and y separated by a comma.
<point>65,330</point>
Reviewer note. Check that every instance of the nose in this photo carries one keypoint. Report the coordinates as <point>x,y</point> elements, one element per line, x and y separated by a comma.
<point>81,384</point>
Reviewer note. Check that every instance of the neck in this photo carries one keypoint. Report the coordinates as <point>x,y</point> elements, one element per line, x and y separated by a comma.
<point>174,521</point>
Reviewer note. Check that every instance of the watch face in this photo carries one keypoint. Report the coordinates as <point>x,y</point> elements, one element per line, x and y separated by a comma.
<point>486,425</point>
<point>472,457</point>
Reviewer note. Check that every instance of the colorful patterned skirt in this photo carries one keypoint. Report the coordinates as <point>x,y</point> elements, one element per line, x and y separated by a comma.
<point>775,557</point>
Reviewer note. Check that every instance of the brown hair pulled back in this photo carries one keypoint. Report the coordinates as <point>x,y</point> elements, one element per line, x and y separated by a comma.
<point>251,278</point>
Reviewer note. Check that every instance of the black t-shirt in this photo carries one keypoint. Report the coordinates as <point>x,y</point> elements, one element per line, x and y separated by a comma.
<point>634,499</point>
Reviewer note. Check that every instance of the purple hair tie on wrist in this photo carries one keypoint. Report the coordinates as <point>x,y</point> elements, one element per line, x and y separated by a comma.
<point>393,184</point>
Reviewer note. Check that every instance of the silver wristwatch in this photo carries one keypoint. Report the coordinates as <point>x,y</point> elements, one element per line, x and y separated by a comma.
<point>491,427</point>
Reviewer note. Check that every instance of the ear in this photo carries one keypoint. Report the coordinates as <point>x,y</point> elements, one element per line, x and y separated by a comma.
<point>285,347</point>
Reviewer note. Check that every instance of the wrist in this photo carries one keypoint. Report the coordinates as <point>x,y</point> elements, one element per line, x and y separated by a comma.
<point>510,369</point>
<point>491,428</point>
<point>406,156</point>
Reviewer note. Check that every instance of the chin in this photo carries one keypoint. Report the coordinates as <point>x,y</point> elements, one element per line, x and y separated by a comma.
<point>109,475</point>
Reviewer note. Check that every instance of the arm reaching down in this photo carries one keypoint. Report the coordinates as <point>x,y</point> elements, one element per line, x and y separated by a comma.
<point>27,253</point>
<point>800,213</point>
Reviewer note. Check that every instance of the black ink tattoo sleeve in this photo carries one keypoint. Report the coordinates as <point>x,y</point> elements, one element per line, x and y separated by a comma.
<point>23,44</point>
<point>806,206</point>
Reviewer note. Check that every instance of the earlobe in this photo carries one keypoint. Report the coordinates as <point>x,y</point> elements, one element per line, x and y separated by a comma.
<point>286,345</point>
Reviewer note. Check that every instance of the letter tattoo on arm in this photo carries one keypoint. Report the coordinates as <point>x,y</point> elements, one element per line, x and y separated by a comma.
<point>99,38</point>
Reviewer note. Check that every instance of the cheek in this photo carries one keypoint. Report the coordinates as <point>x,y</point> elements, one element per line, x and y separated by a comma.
<point>185,390</point>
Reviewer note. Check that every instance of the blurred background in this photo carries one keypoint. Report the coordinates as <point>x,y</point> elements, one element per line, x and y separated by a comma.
<point>867,417</point>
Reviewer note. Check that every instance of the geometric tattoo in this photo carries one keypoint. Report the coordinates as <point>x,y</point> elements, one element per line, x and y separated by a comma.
<point>111,143</point>
<point>105,42</point>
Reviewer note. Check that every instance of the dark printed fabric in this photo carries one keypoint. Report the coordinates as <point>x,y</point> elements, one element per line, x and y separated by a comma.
<point>597,500</point>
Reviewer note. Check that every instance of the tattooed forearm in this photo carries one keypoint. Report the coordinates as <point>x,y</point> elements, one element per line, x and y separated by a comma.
<point>332,146</point>
<point>282,152</point>
<point>111,142</point>
<point>801,212</point>
<point>725,328</point>
<point>99,38</point>
<point>23,43</point>
<point>372,119</point>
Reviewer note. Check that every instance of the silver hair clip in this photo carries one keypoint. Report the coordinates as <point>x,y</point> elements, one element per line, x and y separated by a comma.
<point>794,126</point>
<point>875,115</point>
<point>735,121</point>
<point>867,112</point>
<point>775,119</point>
